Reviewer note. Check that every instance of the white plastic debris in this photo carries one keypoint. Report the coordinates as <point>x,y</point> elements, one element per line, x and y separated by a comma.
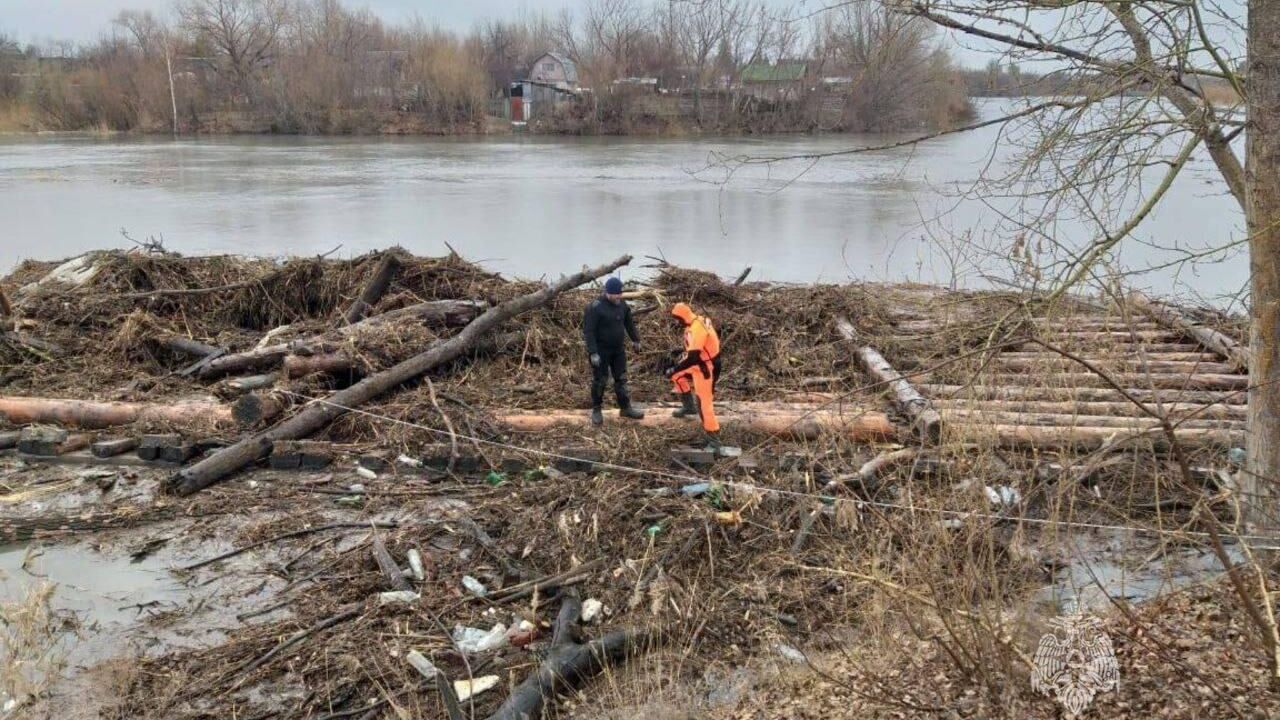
<point>366,473</point>
<point>397,596</point>
<point>474,586</point>
<point>591,610</point>
<point>415,564</point>
<point>422,664</point>
<point>791,653</point>
<point>466,689</point>
<point>409,462</point>
<point>356,488</point>
<point>1002,495</point>
<point>474,640</point>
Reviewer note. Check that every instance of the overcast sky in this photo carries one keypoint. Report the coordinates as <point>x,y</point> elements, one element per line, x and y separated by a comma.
<point>85,20</point>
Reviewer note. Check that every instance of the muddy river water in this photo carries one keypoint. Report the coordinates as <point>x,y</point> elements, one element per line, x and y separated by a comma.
<point>541,205</point>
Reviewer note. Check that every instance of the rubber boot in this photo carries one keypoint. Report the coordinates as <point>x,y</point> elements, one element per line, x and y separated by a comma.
<point>630,412</point>
<point>713,441</point>
<point>597,416</point>
<point>687,408</point>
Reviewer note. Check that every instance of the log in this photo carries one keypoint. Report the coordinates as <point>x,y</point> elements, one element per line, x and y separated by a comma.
<point>6,308</point>
<point>318,414</point>
<point>446,313</point>
<point>374,289</point>
<point>1169,317</point>
<point>875,466</point>
<point>1103,355</point>
<point>1214,411</point>
<point>996,417</point>
<point>1111,347</point>
<point>1050,335</point>
<point>296,366</point>
<point>1161,381</point>
<point>858,426</point>
<point>1131,363</point>
<point>188,346</point>
<point>569,663</point>
<point>251,383</point>
<point>256,408</point>
<point>1087,438</point>
<point>88,414</point>
<point>9,439</point>
<point>1107,394</point>
<point>112,448</point>
<point>925,421</point>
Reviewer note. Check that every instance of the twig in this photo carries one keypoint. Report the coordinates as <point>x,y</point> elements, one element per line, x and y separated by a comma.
<point>342,616</point>
<point>453,436</point>
<point>285,536</point>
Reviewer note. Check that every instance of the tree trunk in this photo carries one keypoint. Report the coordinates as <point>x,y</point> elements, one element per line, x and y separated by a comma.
<point>90,415</point>
<point>317,415</point>
<point>374,290</point>
<point>1084,394</point>
<point>446,313</point>
<point>1262,215</point>
<point>854,424</point>
<point>924,419</point>
<point>1208,337</point>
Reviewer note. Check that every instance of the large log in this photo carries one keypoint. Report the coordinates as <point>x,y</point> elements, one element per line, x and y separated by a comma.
<point>1089,347</point>
<point>855,424</point>
<point>338,363</point>
<point>1215,411</point>
<point>375,288</point>
<point>445,313</point>
<point>1086,438</point>
<point>1161,381</point>
<point>1106,354</point>
<point>318,414</point>
<point>1106,394</point>
<point>925,421</point>
<point>997,417</point>
<point>1051,335</point>
<point>568,663</point>
<point>1132,363</point>
<point>188,346</point>
<point>1169,317</point>
<point>90,415</point>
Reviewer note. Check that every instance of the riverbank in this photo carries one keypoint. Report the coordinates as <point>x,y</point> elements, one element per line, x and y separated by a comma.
<point>321,580</point>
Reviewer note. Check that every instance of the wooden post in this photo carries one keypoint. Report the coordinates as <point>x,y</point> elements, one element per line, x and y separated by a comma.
<point>317,415</point>
<point>924,419</point>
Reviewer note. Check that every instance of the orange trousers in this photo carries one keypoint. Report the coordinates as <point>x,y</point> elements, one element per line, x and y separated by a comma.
<point>692,380</point>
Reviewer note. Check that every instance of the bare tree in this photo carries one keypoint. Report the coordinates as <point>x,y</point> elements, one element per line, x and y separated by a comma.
<point>244,33</point>
<point>144,29</point>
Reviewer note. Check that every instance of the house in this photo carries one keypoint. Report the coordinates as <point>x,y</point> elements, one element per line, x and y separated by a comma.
<point>780,81</point>
<point>555,69</point>
<point>531,99</point>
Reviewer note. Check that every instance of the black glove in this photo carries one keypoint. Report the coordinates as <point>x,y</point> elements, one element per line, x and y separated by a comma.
<point>595,360</point>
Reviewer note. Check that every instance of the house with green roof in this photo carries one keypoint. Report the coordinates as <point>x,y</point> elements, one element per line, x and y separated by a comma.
<point>783,80</point>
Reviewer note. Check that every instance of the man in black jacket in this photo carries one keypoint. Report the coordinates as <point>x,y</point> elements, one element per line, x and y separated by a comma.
<point>606,325</point>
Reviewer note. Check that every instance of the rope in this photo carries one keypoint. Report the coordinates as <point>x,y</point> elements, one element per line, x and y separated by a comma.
<point>684,478</point>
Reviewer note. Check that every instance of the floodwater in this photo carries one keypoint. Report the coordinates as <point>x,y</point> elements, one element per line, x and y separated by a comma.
<point>531,206</point>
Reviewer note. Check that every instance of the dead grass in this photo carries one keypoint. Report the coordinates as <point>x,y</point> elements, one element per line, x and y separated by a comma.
<point>31,655</point>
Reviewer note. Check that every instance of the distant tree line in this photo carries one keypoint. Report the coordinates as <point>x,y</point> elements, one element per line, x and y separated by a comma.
<point>319,66</point>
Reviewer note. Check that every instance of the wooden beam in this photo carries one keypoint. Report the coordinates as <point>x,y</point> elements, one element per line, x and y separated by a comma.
<point>1163,381</point>
<point>854,424</point>
<point>1216,411</point>
<point>1089,394</point>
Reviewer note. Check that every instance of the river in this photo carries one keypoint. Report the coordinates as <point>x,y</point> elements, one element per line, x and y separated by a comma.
<point>531,205</point>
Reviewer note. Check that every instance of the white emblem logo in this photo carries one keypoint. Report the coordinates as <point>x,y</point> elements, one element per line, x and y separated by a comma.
<point>1075,666</point>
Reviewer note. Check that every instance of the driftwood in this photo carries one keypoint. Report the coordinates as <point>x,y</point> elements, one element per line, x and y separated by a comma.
<point>188,346</point>
<point>1163,381</point>
<point>285,536</point>
<point>924,419</point>
<point>1131,363</point>
<point>569,663</point>
<point>1088,394</point>
<point>387,565</point>
<point>1082,437</point>
<point>446,313</point>
<point>855,424</point>
<point>92,415</point>
<point>251,383</point>
<point>256,408</point>
<point>375,289</point>
<point>998,417</point>
<point>318,414</point>
<point>875,466</point>
<point>1176,410</point>
<point>338,363</point>
<point>1170,318</point>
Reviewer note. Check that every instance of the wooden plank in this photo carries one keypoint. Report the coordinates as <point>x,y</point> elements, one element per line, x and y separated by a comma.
<point>1132,362</point>
<point>1163,381</point>
<point>997,417</point>
<point>1219,411</point>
